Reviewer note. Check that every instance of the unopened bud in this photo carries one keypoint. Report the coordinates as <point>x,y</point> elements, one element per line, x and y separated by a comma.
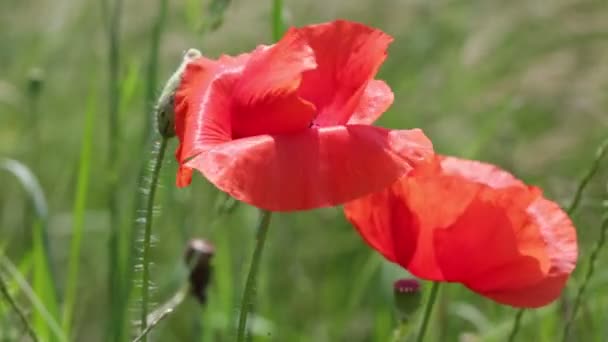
<point>198,258</point>
<point>165,115</point>
<point>35,80</point>
<point>408,297</point>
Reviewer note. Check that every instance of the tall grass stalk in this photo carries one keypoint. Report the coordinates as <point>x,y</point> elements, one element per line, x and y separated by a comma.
<point>152,68</point>
<point>250,284</point>
<point>150,195</point>
<point>84,167</point>
<point>112,11</point>
<point>599,155</point>
<point>20,313</point>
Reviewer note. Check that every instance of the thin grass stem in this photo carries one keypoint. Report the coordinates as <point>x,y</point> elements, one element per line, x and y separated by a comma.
<point>32,297</point>
<point>578,194</point>
<point>78,219</point>
<point>112,11</point>
<point>581,290</point>
<point>250,284</point>
<point>152,68</point>
<point>13,303</point>
<point>163,312</point>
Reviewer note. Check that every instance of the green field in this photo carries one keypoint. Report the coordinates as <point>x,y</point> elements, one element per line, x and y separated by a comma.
<point>521,84</point>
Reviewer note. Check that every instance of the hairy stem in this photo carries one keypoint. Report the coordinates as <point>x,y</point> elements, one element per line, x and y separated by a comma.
<point>248,294</point>
<point>151,192</point>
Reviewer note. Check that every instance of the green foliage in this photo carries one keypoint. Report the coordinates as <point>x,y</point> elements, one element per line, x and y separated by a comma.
<point>520,84</point>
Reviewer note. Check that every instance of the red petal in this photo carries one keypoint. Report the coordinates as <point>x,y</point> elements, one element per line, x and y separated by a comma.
<point>475,224</point>
<point>314,168</point>
<point>232,97</point>
<point>201,102</point>
<point>478,172</point>
<point>348,56</point>
<point>376,99</point>
<point>376,214</point>
<point>558,242</point>
<point>265,99</point>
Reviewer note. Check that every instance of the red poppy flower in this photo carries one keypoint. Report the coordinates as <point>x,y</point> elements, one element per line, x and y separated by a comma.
<point>287,126</point>
<point>473,223</point>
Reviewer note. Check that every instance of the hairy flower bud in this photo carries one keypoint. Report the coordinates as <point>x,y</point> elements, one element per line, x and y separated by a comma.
<point>165,116</point>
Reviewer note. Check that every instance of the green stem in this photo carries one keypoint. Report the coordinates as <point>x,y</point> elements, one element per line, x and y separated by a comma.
<point>151,192</point>
<point>516,324</point>
<point>592,259</point>
<point>401,332</point>
<point>278,26</point>
<point>163,312</point>
<point>248,294</point>
<point>13,303</point>
<point>152,71</point>
<point>112,11</point>
<point>599,155</point>
<point>428,310</point>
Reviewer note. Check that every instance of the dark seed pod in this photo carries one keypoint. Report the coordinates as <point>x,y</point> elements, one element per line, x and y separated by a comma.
<point>198,259</point>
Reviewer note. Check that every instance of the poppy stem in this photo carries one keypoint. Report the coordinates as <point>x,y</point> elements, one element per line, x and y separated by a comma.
<point>581,290</point>
<point>248,294</point>
<point>428,310</point>
<point>149,198</point>
<point>516,324</point>
<point>599,155</point>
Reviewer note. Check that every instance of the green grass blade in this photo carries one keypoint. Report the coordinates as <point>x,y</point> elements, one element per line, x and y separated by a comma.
<point>18,310</point>
<point>40,308</point>
<point>82,185</point>
<point>43,280</point>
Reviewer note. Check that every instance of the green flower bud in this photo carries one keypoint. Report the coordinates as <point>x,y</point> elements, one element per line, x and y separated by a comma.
<point>165,115</point>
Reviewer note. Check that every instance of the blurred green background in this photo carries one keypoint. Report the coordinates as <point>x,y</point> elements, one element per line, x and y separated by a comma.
<point>522,84</point>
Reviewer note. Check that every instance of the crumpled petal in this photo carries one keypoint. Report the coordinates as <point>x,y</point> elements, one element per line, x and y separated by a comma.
<point>265,96</point>
<point>241,96</point>
<point>315,168</point>
<point>375,100</point>
<point>348,56</point>
<point>472,223</point>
